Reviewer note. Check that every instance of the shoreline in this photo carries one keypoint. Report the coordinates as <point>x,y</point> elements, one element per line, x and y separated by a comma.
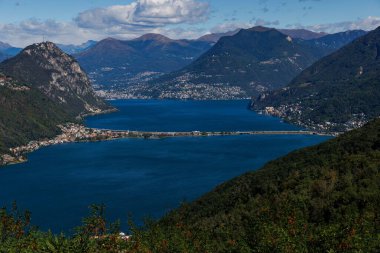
<point>72,133</point>
<point>111,110</point>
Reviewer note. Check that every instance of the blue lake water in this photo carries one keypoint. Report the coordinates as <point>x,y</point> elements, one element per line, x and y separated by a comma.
<point>144,177</point>
<point>174,115</point>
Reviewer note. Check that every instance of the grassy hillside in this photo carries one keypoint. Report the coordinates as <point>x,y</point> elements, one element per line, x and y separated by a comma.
<point>318,199</point>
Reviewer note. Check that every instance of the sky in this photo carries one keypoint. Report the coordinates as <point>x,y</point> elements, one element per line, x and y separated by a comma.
<point>23,22</point>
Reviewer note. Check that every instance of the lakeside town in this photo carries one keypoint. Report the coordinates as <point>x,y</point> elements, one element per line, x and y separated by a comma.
<point>72,132</point>
<point>293,113</point>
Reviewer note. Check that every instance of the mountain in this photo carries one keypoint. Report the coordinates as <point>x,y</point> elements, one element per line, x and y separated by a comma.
<point>45,67</point>
<point>75,49</point>
<point>294,33</point>
<point>11,51</point>
<point>302,34</point>
<point>251,62</point>
<point>214,37</point>
<point>41,88</point>
<point>318,199</point>
<point>7,51</point>
<point>4,46</point>
<point>332,42</point>
<point>26,114</point>
<point>2,56</point>
<point>337,93</point>
<point>113,62</point>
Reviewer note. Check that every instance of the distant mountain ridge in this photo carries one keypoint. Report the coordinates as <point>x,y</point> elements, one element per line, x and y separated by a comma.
<point>4,46</point>
<point>250,62</point>
<point>337,93</point>
<point>2,56</point>
<point>153,37</point>
<point>113,62</point>
<point>302,34</point>
<point>246,64</point>
<point>294,33</point>
<point>75,49</point>
<point>7,51</point>
<point>214,37</point>
<point>335,41</point>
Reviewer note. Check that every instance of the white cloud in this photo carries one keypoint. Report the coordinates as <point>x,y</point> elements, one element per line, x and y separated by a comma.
<point>262,22</point>
<point>144,13</point>
<point>368,24</point>
<point>119,21</point>
<point>226,27</point>
<point>181,33</point>
<point>33,30</point>
<point>173,18</point>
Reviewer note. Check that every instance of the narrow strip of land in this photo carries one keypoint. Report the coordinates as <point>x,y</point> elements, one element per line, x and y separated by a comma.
<point>80,133</point>
<point>205,133</point>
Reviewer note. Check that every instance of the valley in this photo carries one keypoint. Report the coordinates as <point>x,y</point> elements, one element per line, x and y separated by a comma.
<point>189,126</point>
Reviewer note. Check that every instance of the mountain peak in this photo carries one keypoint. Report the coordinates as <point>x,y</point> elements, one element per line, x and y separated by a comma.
<point>57,75</point>
<point>302,34</point>
<point>153,36</point>
<point>109,39</point>
<point>46,46</point>
<point>214,37</point>
<point>260,29</point>
<point>4,45</point>
<point>252,61</point>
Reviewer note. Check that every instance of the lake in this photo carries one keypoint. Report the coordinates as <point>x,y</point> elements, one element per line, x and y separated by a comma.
<point>144,177</point>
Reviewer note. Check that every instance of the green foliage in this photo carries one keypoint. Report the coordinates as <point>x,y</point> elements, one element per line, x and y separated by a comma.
<point>319,199</point>
<point>27,115</point>
<point>95,235</point>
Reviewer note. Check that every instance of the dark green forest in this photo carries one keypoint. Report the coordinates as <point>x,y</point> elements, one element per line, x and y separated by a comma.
<point>341,87</point>
<point>27,115</point>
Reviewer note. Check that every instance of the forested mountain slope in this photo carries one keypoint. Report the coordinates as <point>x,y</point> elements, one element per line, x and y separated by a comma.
<point>337,93</point>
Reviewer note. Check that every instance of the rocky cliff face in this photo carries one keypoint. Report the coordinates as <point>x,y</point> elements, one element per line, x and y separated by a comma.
<point>57,75</point>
